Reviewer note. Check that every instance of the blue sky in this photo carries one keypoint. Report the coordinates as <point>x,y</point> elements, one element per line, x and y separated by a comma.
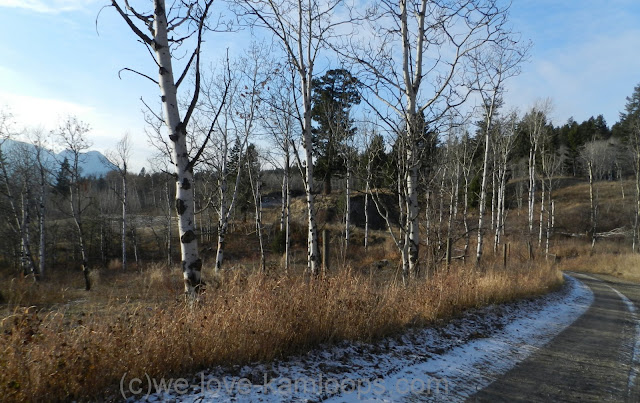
<point>585,58</point>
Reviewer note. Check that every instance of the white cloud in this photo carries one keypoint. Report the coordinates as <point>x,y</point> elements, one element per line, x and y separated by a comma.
<point>34,111</point>
<point>584,79</point>
<point>47,6</point>
<point>105,129</point>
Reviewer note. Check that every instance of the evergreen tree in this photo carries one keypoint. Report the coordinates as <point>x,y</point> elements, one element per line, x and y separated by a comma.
<point>630,118</point>
<point>63,178</point>
<point>333,96</point>
<point>379,160</point>
<point>244,197</point>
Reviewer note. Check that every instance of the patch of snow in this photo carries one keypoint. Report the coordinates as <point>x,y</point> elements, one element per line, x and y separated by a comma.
<point>449,362</point>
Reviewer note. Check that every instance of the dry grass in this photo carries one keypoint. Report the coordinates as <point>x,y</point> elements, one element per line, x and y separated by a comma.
<point>63,354</point>
<point>613,258</point>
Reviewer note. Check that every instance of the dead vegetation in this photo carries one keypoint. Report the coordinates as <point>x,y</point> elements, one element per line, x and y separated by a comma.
<point>245,316</point>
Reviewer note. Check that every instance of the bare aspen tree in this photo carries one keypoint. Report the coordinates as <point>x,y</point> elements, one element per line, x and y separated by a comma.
<point>347,155</point>
<point>414,69</point>
<point>256,183</point>
<point>373,150</point>
<point>302,29</point>
<point>630,124</point>
<point>18,172</point>
<point>242,84</point>
<point>168,29</point>
<point>551,164</point>
<point>634,141</point>
<point>467,150</point>
<point>492,65</point>
<point>453,166</point>
<point>279,121</point>
<point>507,133</point>
<point>120,158</point>
<point>43,172</point>
<point>594,155</point>
<point>159,163</point>
<point>169,218</point>
<point>534,122</point>
<point>73,137</point>
<point>15,176</point>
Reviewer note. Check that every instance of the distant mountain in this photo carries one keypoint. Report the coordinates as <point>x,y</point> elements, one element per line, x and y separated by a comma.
<point>92,163</point>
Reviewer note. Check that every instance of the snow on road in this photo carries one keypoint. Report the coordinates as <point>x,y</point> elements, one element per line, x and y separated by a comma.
<point>446,363</point>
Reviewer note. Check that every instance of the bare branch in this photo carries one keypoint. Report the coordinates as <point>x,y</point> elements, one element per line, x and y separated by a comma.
<point>196,89</point>
<point>146,39</point>
<point>136,72</point>
<point>195,159</point>
<point>172,26</point>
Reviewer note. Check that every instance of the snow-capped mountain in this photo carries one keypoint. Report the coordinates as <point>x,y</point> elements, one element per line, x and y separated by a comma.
<point>92,163</point>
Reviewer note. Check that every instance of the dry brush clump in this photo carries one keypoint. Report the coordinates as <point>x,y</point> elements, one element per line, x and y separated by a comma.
<point>607,257</point>
<point>57,355</point>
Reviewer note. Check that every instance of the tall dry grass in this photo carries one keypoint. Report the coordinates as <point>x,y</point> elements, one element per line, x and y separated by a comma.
<point>55,355</point>
<point>607,257</point>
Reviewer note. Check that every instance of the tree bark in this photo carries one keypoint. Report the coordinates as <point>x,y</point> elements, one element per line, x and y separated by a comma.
<point>592,203</point>
<point>485,171</point>
<point>347,213</point>
<point>124,218</point>
<point>191,262</point>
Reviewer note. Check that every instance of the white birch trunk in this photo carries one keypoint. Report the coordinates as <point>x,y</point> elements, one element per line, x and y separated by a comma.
<point>287,245</point>
<point>550,219</point>
<point>283,204</point>
<point>413,210</point>
<point>191,263</point>
<point>257,199</point>
<point>441,204</point>
<point>465,218</point>
<point>499,203</point>
<point>411,86</point>
<point>28,263</point>
<point>313,263</point>
<point>223,213</point>
<point>124,218</point>
<point>367,190</point>
<point>226,205</point>
<point>542,200</point>
<point>532,186</point>
<point>494,194</point>
<point>134,239</point>
<point>77,219</point>
<point>485,171</point>
<point>41,222</point>
<point>42,212</point>
<point>427,218</point>
<point>169,225</point>
<point>347,213</point>
<point>637,204</point>
<point>592,204</point>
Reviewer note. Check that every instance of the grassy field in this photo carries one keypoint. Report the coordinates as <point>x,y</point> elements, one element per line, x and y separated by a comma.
<point>77,345</point>
<point>59,342</point>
